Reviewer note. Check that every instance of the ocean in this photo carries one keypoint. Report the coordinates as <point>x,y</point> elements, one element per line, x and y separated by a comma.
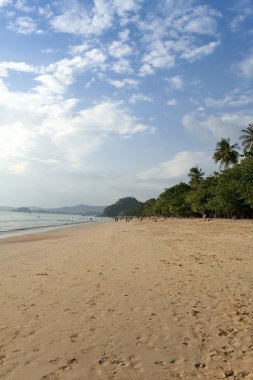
<point>21,223</point>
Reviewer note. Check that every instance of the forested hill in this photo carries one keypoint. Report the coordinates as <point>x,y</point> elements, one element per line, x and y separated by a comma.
<point>228,193</point>
<point>127,206</point>
<point>80,209</point>
<point>74,210</point>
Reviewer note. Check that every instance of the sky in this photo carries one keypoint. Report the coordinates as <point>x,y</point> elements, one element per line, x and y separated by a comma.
<point>105,99</point>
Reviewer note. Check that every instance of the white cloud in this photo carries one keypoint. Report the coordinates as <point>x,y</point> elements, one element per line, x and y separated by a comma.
<point>124,83</point>
<point>139,97</point>
<point>214,127</point>
<point>204,25</point>
<point>77,136</point>
<point>51,85</point>
<point>4,3</point>
<point>58,129</point>
<point>124,35</point>
<point>16,66</point>
<point>146,69</point>
<point>154,29</point>
<point>59,75</point>
<point>236,22</point>
<point>90,82</point>
<point>246,67</point>
<point>112,117</point>
<point>48,51</point>
<point>117,49</point>
<point>51,129</point>
<point>23,6</point>
<point>45,11</point>
<point>126,6</point>
<point>122,66</point>
<point>188,17</point>
<point>72,21</point>
<point>75,19</point>
<point>15,143</point>
<point>243,11</point>
<point>233,99</point>
<point>176,82</point>
<point>202,20</point>
<point>175,32</point>
<point>79,49</point>
<point>170,32</point>
<point>24,25</point>
<point>199,52</point>
<point>160,55</point>
<point>16,140</point>
<point>177,167</point>
<point>102,16</point>
<point>172,102</point>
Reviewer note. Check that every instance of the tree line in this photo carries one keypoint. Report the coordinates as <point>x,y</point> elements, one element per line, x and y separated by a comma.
<point>225,193</point>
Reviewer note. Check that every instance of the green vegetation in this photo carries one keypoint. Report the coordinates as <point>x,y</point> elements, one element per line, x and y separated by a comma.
<point>173,201</point>
<point>196,176</point>
<point>247,138</point>
<point>128,206</point>
<point>228,193</point>
<point>225,153</point>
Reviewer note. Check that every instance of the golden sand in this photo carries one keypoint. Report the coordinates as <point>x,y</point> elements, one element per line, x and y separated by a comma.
<point>139,300</point>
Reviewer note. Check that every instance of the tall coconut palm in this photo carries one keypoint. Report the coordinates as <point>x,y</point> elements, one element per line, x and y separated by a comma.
<point>247,139</point>
<point>196,176</point>
<point>225,153</point>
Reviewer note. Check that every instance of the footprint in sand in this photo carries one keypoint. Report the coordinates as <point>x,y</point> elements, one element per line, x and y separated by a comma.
<point>135,362</point>
<point>2,358</point>
<point>55,361</point>
<point>73,337</point>
<point>96,370</point>
<point>60,370</point>
<point>109,366</point>
<point>121,362</point>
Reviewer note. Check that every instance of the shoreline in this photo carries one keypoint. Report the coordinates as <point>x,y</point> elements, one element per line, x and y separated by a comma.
<point>128,301</point>
<point>44,229</point>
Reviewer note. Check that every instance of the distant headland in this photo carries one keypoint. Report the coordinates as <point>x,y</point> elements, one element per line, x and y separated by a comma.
<point>81,209</point>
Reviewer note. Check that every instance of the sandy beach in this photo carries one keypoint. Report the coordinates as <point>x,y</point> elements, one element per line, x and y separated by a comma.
<point>140,300</point>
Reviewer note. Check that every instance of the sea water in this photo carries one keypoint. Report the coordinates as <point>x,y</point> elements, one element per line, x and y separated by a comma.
<point>19,223</point>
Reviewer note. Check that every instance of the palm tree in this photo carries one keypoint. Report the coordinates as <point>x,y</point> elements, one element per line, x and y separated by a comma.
<point>225,153</point>
<point>247,139</point>
<point>196,176</point>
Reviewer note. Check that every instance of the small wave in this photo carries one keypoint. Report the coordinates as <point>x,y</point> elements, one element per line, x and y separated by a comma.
<point>29,229</point>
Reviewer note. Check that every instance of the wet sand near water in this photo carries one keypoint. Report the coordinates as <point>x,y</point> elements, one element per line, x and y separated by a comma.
<point>131,301</point>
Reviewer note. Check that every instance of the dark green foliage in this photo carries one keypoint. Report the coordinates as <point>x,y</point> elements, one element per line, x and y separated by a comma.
<point>228,193</point>
<point>243,174</point>
<point>225,194</point>
<point>226,197</point>
<point>225,153</point>
<point>149,207</point>
<point>196,176</point>
<point>173,201</point>
<point>247,138</point>
<point>200,197</point>
<point>127,206</point>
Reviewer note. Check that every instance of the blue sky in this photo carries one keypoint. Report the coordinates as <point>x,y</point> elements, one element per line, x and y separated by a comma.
<point>108,98</point>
